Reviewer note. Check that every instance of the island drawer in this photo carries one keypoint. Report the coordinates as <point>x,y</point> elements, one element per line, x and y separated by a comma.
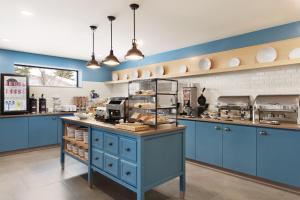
<point>111,143</point>
<point>111,164</point>
<point>128,149</point>
<point>128,172</point>
<point>97,158</point>
<point>97,139</point>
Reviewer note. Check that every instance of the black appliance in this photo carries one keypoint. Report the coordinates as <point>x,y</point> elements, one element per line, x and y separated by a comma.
<point>202,103</point>
<point>32,105</point>
<point>42,104</point>
<point>14,94</point>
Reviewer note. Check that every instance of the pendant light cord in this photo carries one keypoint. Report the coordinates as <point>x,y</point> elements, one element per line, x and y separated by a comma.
<point>111,35</point>
<point>93,42</point>
<point>134,25</point>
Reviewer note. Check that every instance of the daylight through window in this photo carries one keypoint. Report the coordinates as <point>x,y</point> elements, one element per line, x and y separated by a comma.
<point>43,76</point>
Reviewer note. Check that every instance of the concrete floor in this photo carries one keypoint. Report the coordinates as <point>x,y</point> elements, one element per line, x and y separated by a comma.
<point>37,175</point>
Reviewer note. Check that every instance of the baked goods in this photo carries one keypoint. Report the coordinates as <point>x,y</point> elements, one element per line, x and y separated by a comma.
<point>143,105</point>
<point>145,92</point>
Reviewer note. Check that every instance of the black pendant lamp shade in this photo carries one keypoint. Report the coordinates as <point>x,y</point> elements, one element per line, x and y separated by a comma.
<point>111,59</point>
<point>134,53</point>
<point>93,63</point>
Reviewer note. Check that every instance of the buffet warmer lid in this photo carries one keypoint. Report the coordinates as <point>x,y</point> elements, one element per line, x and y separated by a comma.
<point>277,102</point>
<point>233,102</point>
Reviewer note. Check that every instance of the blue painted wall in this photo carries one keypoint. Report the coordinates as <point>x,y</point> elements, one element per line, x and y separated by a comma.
<point>8,58</point>
<point>282,32</point>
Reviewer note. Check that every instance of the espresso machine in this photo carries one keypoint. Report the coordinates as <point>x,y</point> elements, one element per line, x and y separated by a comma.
<point>189,101</point>
<point>117,109</point>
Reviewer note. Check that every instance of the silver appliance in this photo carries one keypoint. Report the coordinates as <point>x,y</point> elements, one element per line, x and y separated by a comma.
<point>274,109</point>
<point>189,100</point>
<point>116,109</point>
<point>234,107</point>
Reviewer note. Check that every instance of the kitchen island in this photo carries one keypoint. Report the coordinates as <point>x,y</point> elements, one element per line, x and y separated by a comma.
<point>138,161</point>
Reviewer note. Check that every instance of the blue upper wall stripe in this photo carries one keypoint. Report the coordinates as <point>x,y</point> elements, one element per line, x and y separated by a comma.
<point>282,32</point>
<point>8,58</point>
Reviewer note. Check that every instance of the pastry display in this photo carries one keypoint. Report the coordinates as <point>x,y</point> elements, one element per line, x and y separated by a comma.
<point>145,92</point>
<point>144,105</point>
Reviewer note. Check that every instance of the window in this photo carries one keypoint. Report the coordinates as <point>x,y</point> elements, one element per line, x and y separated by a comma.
<point>44,76</point>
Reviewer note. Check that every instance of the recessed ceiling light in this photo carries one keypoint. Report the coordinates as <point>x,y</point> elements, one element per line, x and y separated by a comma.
<point>26,13</point>
<point>5,40</point>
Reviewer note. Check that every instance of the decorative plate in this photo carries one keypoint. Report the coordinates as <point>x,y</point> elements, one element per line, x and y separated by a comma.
<point>115,77</point>
<point>159,70</point>
<point>146,74</point>
<point>294,54</point>
<point>234,62</point>
<point>268,54</point>
<point>182,69</point>
<point>205,63</point>
<point>134,74</point>
<point>125,76</point>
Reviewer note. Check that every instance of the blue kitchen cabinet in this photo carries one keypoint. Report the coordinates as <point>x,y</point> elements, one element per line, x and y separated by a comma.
<point>13,133</point>
<point>209,143</point>
<point>190,138</point>
<point>43,130</point>
<point>278,155</point>
<point>239,148</point>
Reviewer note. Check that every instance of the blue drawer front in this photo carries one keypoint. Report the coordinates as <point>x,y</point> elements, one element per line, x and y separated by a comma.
<point>97,137</point>
<point>128,149</point>
<point>111,144</point>
<point>128,172</point>
<point>97,158</point>
<point>111,164</point>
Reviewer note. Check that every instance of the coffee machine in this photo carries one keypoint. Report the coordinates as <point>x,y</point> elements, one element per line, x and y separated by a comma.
<point>42,104</point>
<point>32,104</point>
<point>117,109</point>
<point>190,100</point>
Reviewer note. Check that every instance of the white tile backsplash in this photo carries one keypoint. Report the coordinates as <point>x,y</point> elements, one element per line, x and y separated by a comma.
<point>278,80</point>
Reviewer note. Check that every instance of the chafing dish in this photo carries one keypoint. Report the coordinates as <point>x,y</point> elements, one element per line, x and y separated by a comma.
<point>273,109</point>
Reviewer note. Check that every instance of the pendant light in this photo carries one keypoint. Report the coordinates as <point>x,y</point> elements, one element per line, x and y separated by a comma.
<point>134,53</point>
<point>111,59</point>
<point>93,64</point>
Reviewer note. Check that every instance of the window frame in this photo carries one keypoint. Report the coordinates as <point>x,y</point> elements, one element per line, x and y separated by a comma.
<point>78,82</point>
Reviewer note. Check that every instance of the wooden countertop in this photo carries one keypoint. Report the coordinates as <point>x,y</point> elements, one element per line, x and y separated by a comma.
<point>36,114</point>
<point>244,123</point>
<point>92,122</point>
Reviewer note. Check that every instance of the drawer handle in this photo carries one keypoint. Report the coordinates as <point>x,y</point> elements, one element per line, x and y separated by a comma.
<point>128,149</point>
<point>218,128</point>
<point>110,144</point>
<point>96,139</point>
<point>227,129</point>
<point>128,173</point>
<point>110,165</point>
<point>263,133</point>
<point>96,158</point>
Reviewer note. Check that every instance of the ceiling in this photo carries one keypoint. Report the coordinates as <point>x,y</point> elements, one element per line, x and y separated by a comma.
<point>61,27</point>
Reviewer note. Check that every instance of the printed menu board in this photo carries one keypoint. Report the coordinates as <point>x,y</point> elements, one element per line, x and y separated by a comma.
<point>14,91</point>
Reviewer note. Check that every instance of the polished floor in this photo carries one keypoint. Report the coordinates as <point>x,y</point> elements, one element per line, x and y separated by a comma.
<point>37,175</point>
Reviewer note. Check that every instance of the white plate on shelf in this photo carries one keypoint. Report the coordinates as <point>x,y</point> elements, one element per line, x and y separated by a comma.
<point>159,70</point>
<point>182,69</point>
<point>265,55</point>
<point>115,77</point>
<point>146,74</point>
<point>205,63</point>
<point>234,62</point>
<point>134,74</point>
<point>294,54</point>
<point>125,76</point>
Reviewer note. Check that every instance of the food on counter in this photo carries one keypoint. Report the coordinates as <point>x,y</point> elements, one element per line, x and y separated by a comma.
<point>149,118</point>
<point>145,92</point>
<point>133,126</point>
<point>160,120</point>
<point>144,118</point>
<point>147,105</point>
<point>136,116</point>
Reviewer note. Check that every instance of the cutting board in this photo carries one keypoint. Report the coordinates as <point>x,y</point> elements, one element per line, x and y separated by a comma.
<point>133,127</point>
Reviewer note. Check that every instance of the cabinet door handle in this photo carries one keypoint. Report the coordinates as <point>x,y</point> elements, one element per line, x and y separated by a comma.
<point>227,129</point>
<point>96,158</point>
<point>128,173</point>
<point>263,133</point>
<point>110,144</point>
<point>128,149</point>
<point>96,139</point>
<point>217,128</point>
<point>110,165</point>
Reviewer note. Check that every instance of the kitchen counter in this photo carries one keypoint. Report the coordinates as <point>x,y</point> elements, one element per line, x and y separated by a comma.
<point>244,123</point>
<point>92,122</point>
<point>36,114</point>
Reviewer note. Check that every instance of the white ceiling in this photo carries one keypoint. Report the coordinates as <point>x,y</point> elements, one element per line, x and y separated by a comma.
<point>61,27</point>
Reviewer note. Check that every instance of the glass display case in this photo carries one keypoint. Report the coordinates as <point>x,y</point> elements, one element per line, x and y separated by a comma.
<point>153,101</point>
